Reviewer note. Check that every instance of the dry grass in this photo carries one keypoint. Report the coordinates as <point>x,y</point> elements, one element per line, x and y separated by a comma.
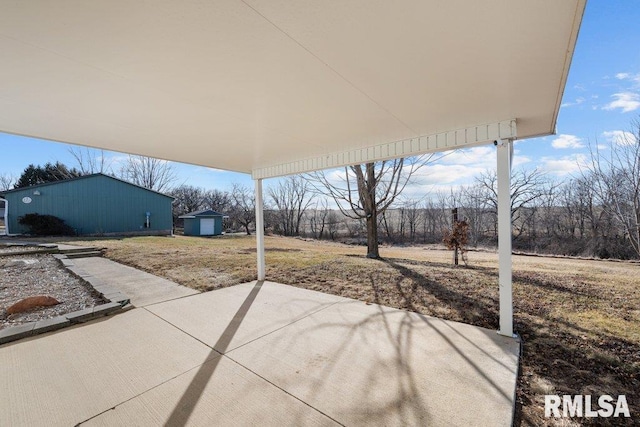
<point>580,320</point>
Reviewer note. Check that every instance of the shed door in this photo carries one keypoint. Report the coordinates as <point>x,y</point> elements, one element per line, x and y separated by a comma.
<point>207,226</point>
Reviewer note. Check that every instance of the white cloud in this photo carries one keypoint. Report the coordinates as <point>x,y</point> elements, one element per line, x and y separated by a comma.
<point>336,177</point>
<point>423,192</point>
<point>519,160</point>
<point>578,101</point>
<point>626,101</point>
<point>564,166</point>
<point>117,161</point>
<point>483,155</point>
<point>619,137</point>
<point>567,141</point>
<point>628,76</point>
<point>446,174</point>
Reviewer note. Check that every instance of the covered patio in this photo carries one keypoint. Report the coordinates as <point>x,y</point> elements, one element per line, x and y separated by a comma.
<point>277,88</point>
<point>261,353</point>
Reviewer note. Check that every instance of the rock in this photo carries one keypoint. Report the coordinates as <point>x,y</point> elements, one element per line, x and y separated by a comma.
<point>32,302</point>
<point>25,262</point>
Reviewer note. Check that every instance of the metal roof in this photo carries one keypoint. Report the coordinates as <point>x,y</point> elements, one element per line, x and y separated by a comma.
<point>272,87</point>
<point>89,176</point>
<point>203,213</point>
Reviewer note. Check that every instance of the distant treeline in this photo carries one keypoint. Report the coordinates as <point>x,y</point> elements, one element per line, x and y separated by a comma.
<point>565,218</point>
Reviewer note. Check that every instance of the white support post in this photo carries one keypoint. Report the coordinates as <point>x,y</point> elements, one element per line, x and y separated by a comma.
<point>260,230</point>
<point>504,154</point>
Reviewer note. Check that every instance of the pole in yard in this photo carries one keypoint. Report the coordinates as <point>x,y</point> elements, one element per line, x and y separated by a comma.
<point>260,230</point>
<point>454,221</point>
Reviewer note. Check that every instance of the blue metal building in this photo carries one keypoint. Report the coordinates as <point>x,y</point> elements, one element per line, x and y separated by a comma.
<point>94,204</point>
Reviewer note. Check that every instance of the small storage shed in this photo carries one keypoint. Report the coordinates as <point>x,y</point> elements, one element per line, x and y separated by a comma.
<point>202,223</point>
<point>94,204</point>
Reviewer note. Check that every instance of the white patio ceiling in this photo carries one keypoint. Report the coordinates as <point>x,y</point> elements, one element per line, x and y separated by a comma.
<point>272,87</point>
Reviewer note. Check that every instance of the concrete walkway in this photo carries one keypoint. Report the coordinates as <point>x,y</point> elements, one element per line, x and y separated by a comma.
<point>261,354</point>
<point>142,288</point>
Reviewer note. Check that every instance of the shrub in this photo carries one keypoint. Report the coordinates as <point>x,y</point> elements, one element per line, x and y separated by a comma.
<point>45,225</point>
<point>458,238</point>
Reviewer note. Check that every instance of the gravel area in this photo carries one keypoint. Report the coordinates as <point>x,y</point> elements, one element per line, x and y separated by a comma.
<point>24,276</point>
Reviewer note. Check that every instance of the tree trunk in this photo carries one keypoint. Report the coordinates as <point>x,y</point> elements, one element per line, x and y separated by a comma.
<point>372,236</point>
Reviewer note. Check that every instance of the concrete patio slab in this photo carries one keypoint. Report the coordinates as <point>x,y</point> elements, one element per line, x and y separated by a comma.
<point>142,288</point>
<point>208,316</point>
<point>372,365</point>
<point>225,394</point>
<point>65,377</point>
<point>291,357</point>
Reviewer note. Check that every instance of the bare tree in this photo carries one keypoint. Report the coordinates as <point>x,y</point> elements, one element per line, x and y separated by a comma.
<point>187,199</point>
<point>414,216</point>
<point>386,221</point>
<point>475,212</point>
<point>333,224</point>
<point>575,223</point>
<point>7,181</point>
<point>581,212</point>
<point>526,188</point>
<point>364,192</point>
<point>91,161</point>
<point>317,218</point>
<point>436,217</point>
<point>217,200</point>
<point>548,215</point>
<point>292,198</point>
<point>617,182</point>
<point>243,207</point>
<point>147,172</point>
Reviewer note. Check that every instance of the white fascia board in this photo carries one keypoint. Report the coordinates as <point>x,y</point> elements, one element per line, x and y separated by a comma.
<point>459,138</point>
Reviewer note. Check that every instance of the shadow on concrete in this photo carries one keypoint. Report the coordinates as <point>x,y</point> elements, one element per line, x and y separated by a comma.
<point>398,329</point>
<point>407,404</point>
<point>184,408</point>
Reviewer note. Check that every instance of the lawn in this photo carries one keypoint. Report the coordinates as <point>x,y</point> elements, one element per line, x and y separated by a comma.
<point>579,320</point>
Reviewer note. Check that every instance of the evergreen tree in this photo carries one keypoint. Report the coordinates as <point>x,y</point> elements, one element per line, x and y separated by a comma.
<point>34,175</point>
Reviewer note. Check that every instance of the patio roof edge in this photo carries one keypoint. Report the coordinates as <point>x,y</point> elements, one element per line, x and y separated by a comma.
<point>444,141</point>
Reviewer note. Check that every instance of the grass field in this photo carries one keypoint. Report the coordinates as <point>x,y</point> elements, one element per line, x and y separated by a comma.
<point>579,320</point>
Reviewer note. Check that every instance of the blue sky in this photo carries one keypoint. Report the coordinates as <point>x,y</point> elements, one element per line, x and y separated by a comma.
<point>601,98</point>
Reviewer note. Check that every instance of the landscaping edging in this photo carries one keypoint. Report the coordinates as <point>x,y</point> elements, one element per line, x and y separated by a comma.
<point>116,302</point>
